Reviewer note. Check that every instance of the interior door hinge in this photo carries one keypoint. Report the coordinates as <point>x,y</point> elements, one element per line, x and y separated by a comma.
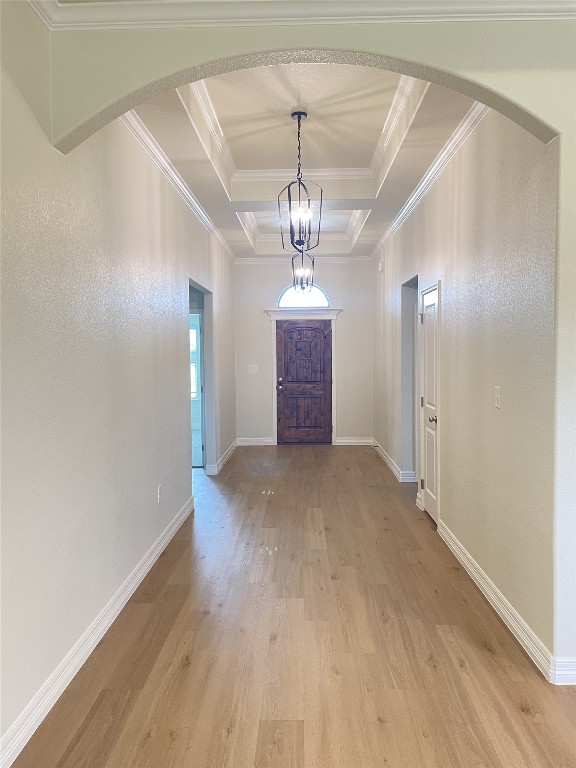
<point>421,316</point>
<point>422,483</point>
<point>421,402</point>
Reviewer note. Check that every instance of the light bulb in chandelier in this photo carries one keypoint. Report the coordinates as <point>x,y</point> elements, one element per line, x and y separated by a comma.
<point>301,215</point>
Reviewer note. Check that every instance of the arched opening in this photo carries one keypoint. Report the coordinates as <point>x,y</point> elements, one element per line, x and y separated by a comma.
<point>72,135</point>
<point>294,298</point>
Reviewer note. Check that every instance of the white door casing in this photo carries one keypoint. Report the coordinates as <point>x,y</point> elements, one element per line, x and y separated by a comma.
<point>430,307</point>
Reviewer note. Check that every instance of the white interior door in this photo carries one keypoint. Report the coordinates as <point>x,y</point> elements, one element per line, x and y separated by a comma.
<point>430,463</point>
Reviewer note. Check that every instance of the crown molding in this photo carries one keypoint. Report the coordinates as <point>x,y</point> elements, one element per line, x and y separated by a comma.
<point>204,102</point>
<point>249,224</point>
<point>407,101</point>
<point>355,225</point>
<point>403,91</point>
<point>149,143</point>
<point>126,14</point>
<point>471,120</point>
<point>284,258</point>
<point>282,175</point>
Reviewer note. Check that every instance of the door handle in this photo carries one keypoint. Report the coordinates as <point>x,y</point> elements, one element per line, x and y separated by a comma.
<point>432,419</point>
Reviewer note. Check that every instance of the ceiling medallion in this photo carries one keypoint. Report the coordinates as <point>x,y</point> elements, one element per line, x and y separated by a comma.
<point>300,212</point>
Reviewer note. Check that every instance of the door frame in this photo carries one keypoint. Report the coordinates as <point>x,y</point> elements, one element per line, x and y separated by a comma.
<point>209,400</point>
<point>419,496</point>
<point>288,313</point>
<point>200,314</point>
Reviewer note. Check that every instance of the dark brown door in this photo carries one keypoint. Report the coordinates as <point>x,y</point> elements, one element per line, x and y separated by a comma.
<point>304,381</point>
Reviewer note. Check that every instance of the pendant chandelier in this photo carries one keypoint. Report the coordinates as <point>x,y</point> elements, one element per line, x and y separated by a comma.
<point>300,211</point>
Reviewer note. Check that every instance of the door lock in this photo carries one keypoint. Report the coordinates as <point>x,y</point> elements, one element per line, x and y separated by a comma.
<point>432,419</point>
<point>280,385</point>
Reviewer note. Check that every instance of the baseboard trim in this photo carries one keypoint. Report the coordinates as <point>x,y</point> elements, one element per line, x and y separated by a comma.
<point>402,477</point>
<point>20,732</point>
<point>420,502</point>
<point>563,670</point>
<point>255,441</point>
<point>557,670</point>
<point>353,441</point>
<point>215,469</point>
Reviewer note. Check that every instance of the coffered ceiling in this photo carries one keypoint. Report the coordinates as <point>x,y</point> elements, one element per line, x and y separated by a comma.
<point>375,141</point>
<point>370,140</point>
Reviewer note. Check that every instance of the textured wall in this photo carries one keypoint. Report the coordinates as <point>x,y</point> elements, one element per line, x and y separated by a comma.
<point>487,231</point>
<point>349,288</point>
<point>97,251</point>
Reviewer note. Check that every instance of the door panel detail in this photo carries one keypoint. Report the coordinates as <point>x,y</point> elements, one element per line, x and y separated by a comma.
<point>304,366</point>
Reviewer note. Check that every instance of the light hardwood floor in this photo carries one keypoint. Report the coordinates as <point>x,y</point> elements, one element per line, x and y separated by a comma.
<point>307,616</point>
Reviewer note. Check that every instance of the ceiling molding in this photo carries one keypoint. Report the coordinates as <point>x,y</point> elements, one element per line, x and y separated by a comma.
<point>126,14</point>
<point>355,225</point>
<point>403,91</point>
<point>149,143</point>
<point>212,123</point>
<point>407,101</point>
<point>250,261</point>
<point>250,226</point>
<point>470,122</point>
<point>283,175</point>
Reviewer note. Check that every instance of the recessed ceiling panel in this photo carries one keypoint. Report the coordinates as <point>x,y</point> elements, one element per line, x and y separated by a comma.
<point>347,108</point>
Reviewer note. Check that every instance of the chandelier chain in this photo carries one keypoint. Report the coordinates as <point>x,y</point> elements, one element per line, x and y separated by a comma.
<point>299,174</point>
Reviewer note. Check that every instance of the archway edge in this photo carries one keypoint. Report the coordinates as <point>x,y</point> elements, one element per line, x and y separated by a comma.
<point>70,139</point>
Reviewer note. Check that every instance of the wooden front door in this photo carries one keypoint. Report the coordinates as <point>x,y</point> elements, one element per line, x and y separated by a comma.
<point>304,381</point>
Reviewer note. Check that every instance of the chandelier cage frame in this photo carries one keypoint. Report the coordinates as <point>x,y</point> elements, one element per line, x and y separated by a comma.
<point>302,270</point>
<point>300,214</point>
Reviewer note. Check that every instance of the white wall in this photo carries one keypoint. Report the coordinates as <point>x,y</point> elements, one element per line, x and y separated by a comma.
<point>97,252</point>
<point>487,231</point>
<point>349,287</point>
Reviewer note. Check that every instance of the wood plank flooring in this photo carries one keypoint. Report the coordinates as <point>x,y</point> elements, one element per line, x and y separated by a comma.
<point>307,616</point>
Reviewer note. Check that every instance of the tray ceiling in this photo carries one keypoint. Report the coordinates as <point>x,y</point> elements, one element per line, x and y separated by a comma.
<point>370,139</point>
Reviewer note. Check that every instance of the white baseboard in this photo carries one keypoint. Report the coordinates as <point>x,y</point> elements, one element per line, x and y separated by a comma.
<point>214,469</point>
<point>402,477</point>
<point>420,502</point>
<point>19,733</point>
<point>563,670</point>
<point>353,441</point>
<point>255,441</point>
<point>557,670</point>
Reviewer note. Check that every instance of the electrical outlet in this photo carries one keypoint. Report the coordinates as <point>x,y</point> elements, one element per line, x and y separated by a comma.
<point>496,397</point>
<point>159,493</point>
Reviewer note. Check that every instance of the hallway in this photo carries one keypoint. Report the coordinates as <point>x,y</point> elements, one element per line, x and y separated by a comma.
<point>307,616</point>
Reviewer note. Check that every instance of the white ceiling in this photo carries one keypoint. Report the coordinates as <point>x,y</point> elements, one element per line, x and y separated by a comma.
<point>370,139</point>
<point>347,110</point>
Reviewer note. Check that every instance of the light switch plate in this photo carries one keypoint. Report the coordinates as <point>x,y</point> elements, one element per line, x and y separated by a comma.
<point>496,397</point>
<point>252,369</point>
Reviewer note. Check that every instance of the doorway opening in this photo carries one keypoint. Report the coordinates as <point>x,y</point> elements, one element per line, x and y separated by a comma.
<point>197,410</point>
<point>409,381</point>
